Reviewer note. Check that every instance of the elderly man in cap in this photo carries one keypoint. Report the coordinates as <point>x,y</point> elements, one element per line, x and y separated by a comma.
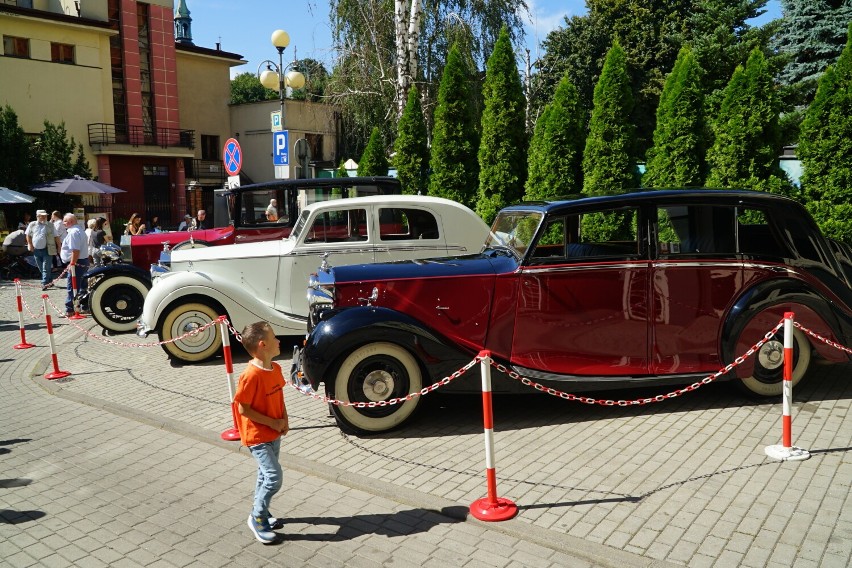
<point>75,252</point>
<point>43,242</point>
<point>186,223</point>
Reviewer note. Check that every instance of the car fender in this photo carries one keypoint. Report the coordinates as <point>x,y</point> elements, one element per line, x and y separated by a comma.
<point>761,307</point>
<point>241,307</point>
<point>330,341</point>
<point>100,272</point>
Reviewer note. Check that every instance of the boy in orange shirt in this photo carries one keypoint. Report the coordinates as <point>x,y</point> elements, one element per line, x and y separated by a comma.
<point>262,420</point>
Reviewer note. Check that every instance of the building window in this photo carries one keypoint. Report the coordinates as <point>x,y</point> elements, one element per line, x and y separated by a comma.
<point>315,144</point>
<point>16,46</point>
<point>149,170</point>
<point>61,53</point>
<point>210,147</point>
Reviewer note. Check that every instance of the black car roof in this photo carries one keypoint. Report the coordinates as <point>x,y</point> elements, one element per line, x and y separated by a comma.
<point>322,182</point>
<point>643,195</point>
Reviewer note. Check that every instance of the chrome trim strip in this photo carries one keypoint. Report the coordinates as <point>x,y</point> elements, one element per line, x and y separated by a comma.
<point>580,379</point>
<point>584,267</point>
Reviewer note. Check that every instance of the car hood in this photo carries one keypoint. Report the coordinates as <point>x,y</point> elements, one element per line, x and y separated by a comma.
<point>228,255</point>
<point>469,265</point>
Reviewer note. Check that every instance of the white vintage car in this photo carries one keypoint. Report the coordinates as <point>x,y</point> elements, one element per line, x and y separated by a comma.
<point>267,280</point>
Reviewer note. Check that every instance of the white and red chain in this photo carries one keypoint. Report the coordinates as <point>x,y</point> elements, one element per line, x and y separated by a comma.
<point>821,338</point>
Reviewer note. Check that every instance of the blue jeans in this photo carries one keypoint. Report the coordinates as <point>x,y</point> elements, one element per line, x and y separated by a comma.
<point>269,476</point>
<point>80,271</point>
<point>43,261</point>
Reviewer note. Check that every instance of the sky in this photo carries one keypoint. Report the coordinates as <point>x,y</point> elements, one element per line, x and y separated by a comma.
<point>246,27</point>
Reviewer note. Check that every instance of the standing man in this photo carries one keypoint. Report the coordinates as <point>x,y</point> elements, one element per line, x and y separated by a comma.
<point>43,242</point>
<point>202,222</point>
<point>75,251</point>
<point>59,230</point>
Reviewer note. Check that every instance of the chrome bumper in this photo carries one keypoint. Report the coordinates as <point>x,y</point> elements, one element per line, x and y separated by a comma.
<point>297,377</point>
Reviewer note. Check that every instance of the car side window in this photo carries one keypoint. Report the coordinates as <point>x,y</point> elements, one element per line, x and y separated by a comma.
<point>695,229</point>
<point>265,207</point>
<point>338,226</point>
<point>755,234</point>
<point>551,244</point>
<point>603,234</point>
<point>396,224</point>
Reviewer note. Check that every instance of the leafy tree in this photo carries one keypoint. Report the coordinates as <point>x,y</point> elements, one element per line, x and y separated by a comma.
<point>316,80</point>
<point>556,150</point>
<point>747,137</point>
<point>607,161</point>
<point>677,157</point>
<point>54,151</point>
<point>246,88</point>
<point>825,149</point>
<point>374,162</point>
<point>341,170</point>
<point>502,150</point>
<point>81,164</point>
<point>17,169</point>
<point>455,140</point>
<point>812,37</point>
<point>412,154</point>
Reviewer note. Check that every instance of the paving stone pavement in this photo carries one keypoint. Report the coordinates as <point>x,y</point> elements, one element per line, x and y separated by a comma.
<point>684,482</point>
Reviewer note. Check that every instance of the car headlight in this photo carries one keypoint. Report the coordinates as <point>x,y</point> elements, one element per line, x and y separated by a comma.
<point>110,252</point>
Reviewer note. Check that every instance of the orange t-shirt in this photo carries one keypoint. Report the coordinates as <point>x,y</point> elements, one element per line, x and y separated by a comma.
<point>263,390</point>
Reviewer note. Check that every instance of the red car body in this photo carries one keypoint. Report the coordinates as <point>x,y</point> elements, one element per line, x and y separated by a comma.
<point>688,281</point>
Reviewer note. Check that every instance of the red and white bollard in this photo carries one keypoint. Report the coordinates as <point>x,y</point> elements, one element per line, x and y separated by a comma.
<point>490,508</point>
<point>23,344</point>
<point>231,434</point>
<point>786,451</point>
<point>77,315</point>
<point>56,374</point>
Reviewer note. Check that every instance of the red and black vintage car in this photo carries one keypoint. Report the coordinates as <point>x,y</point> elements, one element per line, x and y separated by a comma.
<point>647,288</point>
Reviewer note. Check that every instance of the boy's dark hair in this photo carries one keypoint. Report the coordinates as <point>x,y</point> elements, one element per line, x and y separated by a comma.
<point>252,334</point>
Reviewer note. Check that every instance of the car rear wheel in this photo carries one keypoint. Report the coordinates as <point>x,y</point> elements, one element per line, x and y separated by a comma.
<point>184,318</point>
<point>767,378</point>
<point>116,302</point>
<point>373,373</point>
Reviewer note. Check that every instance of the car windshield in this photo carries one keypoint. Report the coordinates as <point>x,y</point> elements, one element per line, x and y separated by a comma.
<point>513,230</point>
<point>300,225</point>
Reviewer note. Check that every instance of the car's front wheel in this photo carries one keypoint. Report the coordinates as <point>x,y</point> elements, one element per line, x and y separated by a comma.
<point>374,373</point>
<point>116,302</point>
<point>767,378</point>
<point>185,318</point>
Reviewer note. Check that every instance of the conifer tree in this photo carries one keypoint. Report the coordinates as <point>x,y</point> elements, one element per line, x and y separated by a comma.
<point>54,152</point>
<point>81,164</point>
<point>17,167</point>
<point>677,157</point>
<point>825,149</point>
<point>556,149</point>
<point>503,149</point>
<point>455,140</point>
<point>412,155</point>
<point>608,157</point>
<point>374,162</point>
<point>747,136</point>
<point>341,170</point>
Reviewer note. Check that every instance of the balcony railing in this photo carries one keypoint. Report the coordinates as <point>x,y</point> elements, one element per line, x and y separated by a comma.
<point>103,134</point>
<point>204,169</point>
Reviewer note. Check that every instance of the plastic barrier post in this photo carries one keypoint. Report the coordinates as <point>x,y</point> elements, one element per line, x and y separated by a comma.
<point>77,315</point>
<point>23,344</point>
<point>490,508</point>
<point>56,374</point>
<point>786,451</point>
<point>231,434</point>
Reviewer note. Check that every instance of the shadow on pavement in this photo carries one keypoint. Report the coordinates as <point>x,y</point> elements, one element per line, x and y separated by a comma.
<point>400,523</point>
<point>9,517</point>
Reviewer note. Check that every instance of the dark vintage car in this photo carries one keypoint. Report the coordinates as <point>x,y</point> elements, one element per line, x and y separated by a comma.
<point>647,288</point>
<point>117,291</point>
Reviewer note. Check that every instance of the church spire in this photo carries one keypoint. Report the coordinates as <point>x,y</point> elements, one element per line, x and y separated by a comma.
<point>183,24</point>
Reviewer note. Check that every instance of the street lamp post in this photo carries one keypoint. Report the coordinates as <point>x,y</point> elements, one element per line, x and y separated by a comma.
<point>277,79</point>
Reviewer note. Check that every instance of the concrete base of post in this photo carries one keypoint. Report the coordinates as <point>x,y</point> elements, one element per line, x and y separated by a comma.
<point>780,453</point>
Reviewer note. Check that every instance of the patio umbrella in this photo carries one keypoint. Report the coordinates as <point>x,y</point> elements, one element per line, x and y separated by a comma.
<point>11,197</point>
<point>77,185</point>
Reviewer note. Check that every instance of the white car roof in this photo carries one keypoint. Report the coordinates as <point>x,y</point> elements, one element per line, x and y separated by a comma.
<point>389,200</point>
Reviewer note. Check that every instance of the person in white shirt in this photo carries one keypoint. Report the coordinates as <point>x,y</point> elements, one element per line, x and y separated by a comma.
<point>59,229</point>
<point>43,242</point>
<point>75,252</point>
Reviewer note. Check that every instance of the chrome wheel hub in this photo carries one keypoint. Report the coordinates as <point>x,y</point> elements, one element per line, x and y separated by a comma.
<point>378,385</point>
<point>771,355</point>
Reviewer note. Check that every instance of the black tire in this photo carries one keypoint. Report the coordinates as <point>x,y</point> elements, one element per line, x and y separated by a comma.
<point>767,378</point>
<point>190,245</point>
<point>373,373</point>
<point>116,302</point>
<point>183,318</point>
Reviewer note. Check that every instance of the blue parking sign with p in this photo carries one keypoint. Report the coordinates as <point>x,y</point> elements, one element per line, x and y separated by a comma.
<point>280,145</point>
